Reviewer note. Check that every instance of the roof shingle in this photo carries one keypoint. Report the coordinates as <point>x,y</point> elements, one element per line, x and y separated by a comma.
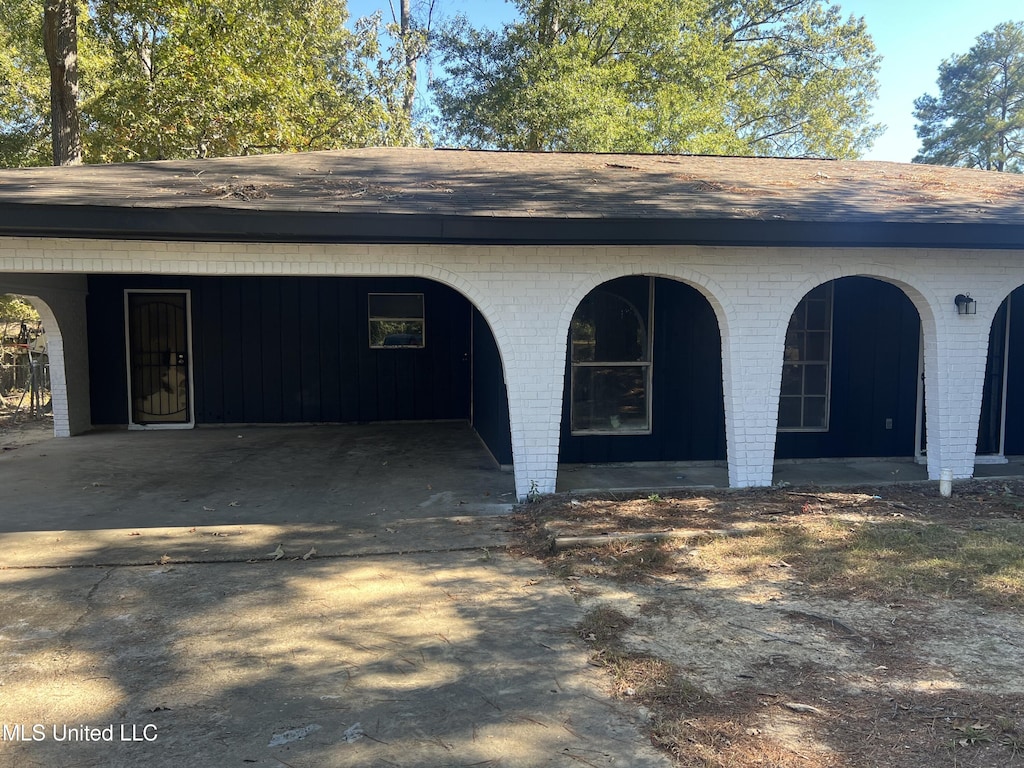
<point>537,185</point>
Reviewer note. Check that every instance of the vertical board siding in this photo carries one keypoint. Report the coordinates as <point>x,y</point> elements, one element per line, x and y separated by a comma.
<point>330,372</point>
<point>990,422</point>
<point>291,352</point>
<point>875,343</point>
<point>230,372</point>
<point>272,350</point>
<point>308,342</point>
<point>108,389</point>
<point>688,412</point>
<point>251,345</point>
<point>351,332</point>
<point>490,396</point>
<point>1015,377</point>
<point>272,404</point>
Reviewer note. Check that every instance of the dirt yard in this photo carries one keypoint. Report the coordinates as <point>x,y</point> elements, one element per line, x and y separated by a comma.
<point>791,627</point>
<point>17,429</point>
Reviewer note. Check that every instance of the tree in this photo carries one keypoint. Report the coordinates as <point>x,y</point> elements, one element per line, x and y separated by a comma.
<point>236,77</point>
<point>165,79</point>
<point>770,77</point>
<point>24,85</point>
<point>977,121</point>
<point>60,42</point>
<point>16,308</point>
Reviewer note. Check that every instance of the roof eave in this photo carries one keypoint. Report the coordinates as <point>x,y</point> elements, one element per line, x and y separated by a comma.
<point>208,224</point>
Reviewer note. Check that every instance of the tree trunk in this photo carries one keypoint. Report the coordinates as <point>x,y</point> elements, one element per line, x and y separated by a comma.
<point>547,23</point>
<point>411,55</point>
<point>60,41</point>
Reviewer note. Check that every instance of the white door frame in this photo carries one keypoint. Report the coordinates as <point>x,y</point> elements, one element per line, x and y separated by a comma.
<point>190,422</point>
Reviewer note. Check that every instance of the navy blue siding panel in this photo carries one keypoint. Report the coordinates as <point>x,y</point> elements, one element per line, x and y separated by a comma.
<point>230,306</point>
<point>269,350</point>
<point>251,346</point>
<point>209,380</point>
<point>990,422</point>
<point>876,338</point>
<point>1015,378</point>
<point>330,352</point>
<point>351,334</point>
<point>107,373</point>
<point>688,415</point>
<point>308,341</point>
<point>490,395</point>
<point>272,351</point>
<point>291,322</point>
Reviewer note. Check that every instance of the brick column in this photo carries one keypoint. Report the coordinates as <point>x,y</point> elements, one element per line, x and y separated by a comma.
<point>751,369</point>
<point>954,365</point>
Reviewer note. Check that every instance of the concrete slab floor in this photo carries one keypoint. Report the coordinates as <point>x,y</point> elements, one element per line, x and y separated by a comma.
<point>660,476</point>
<point>230,493</point>
<point>444,659</point>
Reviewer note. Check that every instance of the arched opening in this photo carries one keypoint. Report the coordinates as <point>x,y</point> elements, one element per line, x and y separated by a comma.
<point>850,373</point>
<point>293,350</point>
<point>25,393</point>
<point>32,363</point>
<point>1001,424</point>
<point>643,383</point>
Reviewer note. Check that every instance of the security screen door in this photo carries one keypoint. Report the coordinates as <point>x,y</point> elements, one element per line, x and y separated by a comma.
<point>158,358</point>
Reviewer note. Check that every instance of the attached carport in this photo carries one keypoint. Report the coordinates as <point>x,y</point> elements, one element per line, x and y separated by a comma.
<point>216,493</point>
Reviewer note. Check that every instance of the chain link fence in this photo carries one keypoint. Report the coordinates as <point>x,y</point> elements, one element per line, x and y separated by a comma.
<point>24,368</point>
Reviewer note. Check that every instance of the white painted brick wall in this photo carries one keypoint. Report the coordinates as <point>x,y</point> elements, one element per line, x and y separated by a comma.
<point>528,296</point>
<point>60,301</point>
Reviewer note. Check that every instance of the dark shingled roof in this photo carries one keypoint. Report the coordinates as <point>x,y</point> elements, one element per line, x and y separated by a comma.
<point>424,195</point>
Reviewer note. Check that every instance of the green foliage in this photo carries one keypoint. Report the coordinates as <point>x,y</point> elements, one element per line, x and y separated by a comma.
<point>977,121</point>
<point>24,85</point>
<point>16,308</point>
<point>769,77</point>
<point>163,79</point>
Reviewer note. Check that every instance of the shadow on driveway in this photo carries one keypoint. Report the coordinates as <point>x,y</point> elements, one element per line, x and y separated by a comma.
<point>237,493</point>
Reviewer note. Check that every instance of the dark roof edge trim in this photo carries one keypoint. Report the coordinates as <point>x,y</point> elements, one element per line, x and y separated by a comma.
<point>248,226</point>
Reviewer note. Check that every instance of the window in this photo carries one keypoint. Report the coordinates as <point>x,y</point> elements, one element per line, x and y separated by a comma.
<point>804,398</point>
<point>611,360</point>
<point>396,320</point>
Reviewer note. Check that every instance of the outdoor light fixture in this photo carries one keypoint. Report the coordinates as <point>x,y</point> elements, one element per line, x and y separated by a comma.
<point>965,305</point>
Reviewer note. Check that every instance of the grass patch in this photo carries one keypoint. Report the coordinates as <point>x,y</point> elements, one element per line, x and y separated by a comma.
<point>883,559</point>
<point>875,695</point>
<point>622,561</point>
<point>684,719</point>
<point>643,679</point>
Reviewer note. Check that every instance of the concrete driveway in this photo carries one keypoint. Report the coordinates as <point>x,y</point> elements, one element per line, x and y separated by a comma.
<point>444,659</point>
<point>328,596</point>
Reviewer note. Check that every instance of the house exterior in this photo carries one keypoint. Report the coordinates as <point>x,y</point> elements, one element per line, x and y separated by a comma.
<point>571,307</point>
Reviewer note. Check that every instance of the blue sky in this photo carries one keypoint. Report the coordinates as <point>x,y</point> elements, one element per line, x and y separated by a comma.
<point>913,37</point>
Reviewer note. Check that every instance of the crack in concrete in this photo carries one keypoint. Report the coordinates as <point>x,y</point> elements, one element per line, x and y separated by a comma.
<point>88,608</point>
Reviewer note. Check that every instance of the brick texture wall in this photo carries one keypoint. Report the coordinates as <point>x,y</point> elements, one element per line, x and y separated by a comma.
<point>528,295</point>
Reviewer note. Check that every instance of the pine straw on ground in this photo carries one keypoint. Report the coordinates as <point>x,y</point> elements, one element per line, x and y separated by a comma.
<point>901,547</point>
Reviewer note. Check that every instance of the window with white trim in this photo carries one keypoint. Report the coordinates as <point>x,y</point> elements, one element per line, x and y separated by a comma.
<point>396,320</point>
<point>806,367</point>
<point>610,344</point>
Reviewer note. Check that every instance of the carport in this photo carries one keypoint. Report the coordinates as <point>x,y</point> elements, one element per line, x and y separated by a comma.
<point>224,493</point>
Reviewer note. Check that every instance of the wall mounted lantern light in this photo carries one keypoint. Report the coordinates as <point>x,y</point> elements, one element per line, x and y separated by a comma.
<point>965,305</point>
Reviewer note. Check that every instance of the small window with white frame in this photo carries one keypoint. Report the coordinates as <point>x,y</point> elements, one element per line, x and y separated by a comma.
<point>806,367</point>
<point>396,320</point>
